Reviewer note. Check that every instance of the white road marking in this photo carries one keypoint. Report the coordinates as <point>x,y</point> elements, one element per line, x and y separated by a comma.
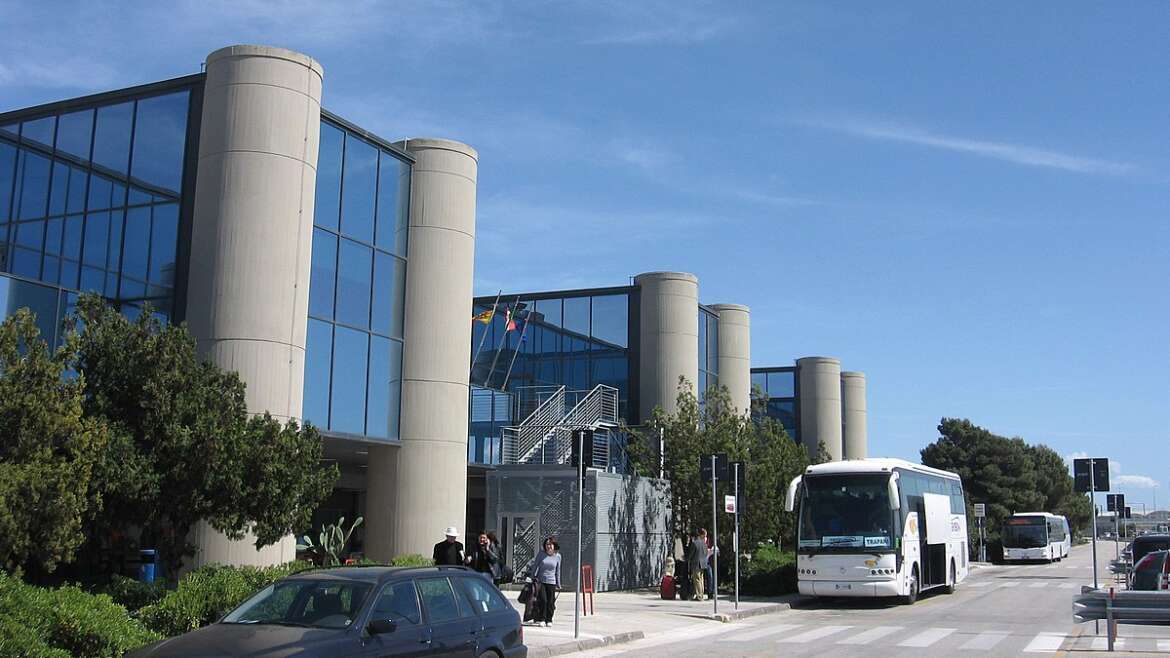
<point>1010,583</point>
<point>1163,645</point>
<point>927,638</point>
<point>985,640</point>
<point>982,583</point>
<point>872,634</point>
<point>764,631</point>
<point>1037,585</point>
<point>1101,643</point>
<point>1045,643</point>
<point>1068,585</point>
<point>815,634</point>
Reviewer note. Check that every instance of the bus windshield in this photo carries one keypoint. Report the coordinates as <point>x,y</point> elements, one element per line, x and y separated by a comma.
<point>1025,532</point>
<point>844,512</point>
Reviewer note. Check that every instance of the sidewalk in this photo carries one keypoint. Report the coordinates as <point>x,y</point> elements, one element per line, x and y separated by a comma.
<point>629,616</point>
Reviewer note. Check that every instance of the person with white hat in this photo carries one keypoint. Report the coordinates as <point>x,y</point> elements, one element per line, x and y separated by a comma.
<point>450,550</point>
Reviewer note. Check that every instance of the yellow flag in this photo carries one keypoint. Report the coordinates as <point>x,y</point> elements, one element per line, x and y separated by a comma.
<point>484,317</point>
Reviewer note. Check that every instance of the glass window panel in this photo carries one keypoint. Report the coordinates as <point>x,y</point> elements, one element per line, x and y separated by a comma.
<point>137,243</point>
<point>318,355</point>
<point>577,315</point>
<point>551,310</point>
<point>324,274</point>
<point>328,201</point>
<point>132,289</point>
<point>41,300</point>
<point>114,258</point>
<point>111,285</point>
<point>138,197</point>
<point>69,272</point>
<point>760,379</point>
<point>60,188</point>
<point>11,131</point>
<point>97,228</point>
<point>53,236</point>
<point>160,137</point>
<point>348,398</point>
<point>359,189</point>
<point>73,133</point>
<point>34,187</point>
<point>393,203</point>
<point>39,131</point>
<point>781,384</point>
<point>26,262</point>
<point>73,228</point>
<point>385,388</point>
<point>100,191</point>
<point>164,240</point>
<point>611,319</point>
<point>50,268</point>
<point>93,280</point>
<point>7,174</point>
<point>713,344</point>
<point>702,341</point>
<point>389,290</point>
<point>353,284</point>
<point>76,201</point>
<point>111,140</point>
<point>31,235</point>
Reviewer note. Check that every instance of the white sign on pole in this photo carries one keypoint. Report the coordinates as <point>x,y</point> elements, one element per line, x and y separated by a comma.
<point>729,504</point>
<point>980,510</point>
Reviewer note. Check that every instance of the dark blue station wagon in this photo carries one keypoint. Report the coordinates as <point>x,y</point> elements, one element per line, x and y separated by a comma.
<point>448,612</point>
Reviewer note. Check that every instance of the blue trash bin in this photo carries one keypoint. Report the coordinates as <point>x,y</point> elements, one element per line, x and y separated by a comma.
<point>146,569</point>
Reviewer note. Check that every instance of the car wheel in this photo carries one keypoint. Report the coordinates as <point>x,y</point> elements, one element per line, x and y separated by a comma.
<point>489,654</point>
<point>910,598</point>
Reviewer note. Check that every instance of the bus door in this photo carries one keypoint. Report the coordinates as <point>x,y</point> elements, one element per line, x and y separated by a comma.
<point>937,509</point>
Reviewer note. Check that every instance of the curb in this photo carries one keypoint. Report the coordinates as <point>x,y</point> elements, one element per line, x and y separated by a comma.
<point>794,601</point>
<point>584,645</point>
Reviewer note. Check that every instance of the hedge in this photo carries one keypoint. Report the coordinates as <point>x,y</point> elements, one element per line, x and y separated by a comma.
<point>56,623</point>
<point>770,572</point>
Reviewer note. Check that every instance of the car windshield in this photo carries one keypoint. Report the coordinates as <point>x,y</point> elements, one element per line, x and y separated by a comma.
<point>1024,532</point>
<point>308,603</point>
<point>846,512</point>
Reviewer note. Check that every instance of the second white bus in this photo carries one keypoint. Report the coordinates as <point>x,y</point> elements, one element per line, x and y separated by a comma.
<point>878,527</point>
<point>1036,536</point>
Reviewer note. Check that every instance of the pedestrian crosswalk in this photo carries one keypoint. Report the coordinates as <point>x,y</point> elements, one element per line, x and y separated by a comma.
<point>1036,584</point>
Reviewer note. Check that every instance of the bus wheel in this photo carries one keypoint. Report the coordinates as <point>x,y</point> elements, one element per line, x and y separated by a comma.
<point>910,598</point>
<point>951,580</point>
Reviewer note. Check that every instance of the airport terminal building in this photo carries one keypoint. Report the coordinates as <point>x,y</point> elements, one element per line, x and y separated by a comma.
<point>333,270</point>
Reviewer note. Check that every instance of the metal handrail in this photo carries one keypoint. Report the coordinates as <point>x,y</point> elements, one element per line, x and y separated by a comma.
<point>522,440</point>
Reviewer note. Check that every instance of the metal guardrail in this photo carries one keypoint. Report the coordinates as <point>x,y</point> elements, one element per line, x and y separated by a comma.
<point>1124,606</point>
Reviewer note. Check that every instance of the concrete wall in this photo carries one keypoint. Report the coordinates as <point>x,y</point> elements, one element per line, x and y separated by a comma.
<point>247,303</point>
<point>669,341</point>
<point>856,437</point>
<point>820,404</point>
<point>420,488</point>
<point>735,354</point>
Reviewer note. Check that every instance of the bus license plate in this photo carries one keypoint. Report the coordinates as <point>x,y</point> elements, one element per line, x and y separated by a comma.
<point>840,586</point>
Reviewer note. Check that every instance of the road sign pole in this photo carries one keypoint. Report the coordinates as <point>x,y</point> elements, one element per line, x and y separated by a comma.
<point>735,541</point>
<point>1093,500</point>
<point>580,529</point>
<point>714,542</point>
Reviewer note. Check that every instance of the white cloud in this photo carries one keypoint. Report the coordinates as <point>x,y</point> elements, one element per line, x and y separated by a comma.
<point>1135,481</point>
<point>655,23</point>
<point>1015,153</point>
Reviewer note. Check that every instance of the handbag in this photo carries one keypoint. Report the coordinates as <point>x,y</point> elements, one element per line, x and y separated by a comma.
<point>525,594</point>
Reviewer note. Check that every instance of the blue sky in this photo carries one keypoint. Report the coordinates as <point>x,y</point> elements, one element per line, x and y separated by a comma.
<point>967,203</point>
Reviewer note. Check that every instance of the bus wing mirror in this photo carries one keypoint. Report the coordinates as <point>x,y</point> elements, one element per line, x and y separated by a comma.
<point>790,499</point>
<point>895,499</point>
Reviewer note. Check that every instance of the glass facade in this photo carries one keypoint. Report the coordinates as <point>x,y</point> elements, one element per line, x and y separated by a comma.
<point>90,198</point>
<point>577,340</point>
<point>780,386</point>
<point>708,352</point>
<point>490,412</point>
<point>353,354</point>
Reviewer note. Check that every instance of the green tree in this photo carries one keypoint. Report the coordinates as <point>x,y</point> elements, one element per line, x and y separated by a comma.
<point>183,447</point>
<point>48,450</point>
<point>1006,474</point>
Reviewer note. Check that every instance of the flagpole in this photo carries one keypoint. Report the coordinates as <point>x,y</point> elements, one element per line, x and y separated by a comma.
<point>487,324</point>
<point>503,342</point>
<point>519,344</point>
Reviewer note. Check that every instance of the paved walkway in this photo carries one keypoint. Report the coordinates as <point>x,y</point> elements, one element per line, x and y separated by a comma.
<point>628,616</point>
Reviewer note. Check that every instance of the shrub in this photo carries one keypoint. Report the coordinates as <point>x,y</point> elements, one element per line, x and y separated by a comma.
<point>56,623</point>
<point>770,572</point>
<point>210,592</point>
<point>411,560</point>
<point>133,594</point>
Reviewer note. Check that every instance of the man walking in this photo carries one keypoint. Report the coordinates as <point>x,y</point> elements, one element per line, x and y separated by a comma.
<point>697,563</point>
<point>449,551</point>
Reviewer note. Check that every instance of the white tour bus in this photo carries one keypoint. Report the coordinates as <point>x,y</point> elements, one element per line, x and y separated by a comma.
<point>878,527</point>
<point>1036,536</point>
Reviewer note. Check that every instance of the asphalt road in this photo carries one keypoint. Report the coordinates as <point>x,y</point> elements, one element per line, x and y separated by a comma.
<point>1018,610</point>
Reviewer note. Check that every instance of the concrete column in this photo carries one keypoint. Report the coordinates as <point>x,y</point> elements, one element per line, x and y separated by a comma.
<point>820,404</point>
<point>853,415</point>
<point>247,303</point>
<point>735,354</point>
<point>420,488</point>
<point>669,341</point>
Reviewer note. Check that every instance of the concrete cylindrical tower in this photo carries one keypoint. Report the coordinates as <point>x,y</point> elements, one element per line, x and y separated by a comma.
<point>669,341</point>
<point>420,488</point>
<point>820,404</point>
<point>247,299</point>
<point>735,354</point>
<point>853,414</point>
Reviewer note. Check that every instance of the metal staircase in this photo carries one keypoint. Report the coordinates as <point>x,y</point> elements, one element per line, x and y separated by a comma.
<point>545,436</point>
